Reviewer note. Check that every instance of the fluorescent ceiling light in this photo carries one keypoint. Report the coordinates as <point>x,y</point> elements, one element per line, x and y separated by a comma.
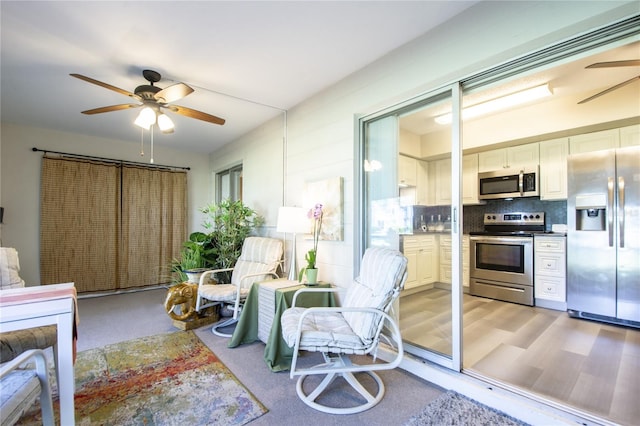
<point>497,104</point>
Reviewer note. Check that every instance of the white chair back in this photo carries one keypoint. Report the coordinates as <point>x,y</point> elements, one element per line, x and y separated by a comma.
<point>259,255</point>
<point>383,273</point>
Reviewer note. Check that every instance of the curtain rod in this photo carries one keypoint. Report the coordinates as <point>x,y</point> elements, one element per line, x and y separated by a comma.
<point>111,160</point>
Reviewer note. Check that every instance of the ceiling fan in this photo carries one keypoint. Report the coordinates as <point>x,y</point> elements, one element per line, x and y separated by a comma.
<point>153,99</point>
<point>613,64</point>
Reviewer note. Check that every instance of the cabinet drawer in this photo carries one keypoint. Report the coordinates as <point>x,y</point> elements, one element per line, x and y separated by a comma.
<point>550,288</point>
<point>550,264</point>
<point>549,244</point>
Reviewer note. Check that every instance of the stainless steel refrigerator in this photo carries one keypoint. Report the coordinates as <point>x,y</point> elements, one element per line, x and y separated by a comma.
<point>603,239</point>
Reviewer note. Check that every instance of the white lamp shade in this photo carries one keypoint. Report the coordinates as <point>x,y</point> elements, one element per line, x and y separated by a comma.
<point>146,118</point>
<point>292,220</point>
<point>165,124</point>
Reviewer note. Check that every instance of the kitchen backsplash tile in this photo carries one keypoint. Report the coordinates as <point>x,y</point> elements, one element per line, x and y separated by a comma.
<point>555,212</point>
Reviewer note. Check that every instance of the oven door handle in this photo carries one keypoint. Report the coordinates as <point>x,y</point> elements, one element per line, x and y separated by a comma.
<point>501,240</point>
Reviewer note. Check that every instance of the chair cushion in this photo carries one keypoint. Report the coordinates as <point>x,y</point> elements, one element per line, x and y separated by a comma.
<point>221,292</point>
<point>258,255</point>
<point>18,391</point>
<point>381,272</point>
<point>13,343</point>
<point>321,331</point>
<point>9,268</point>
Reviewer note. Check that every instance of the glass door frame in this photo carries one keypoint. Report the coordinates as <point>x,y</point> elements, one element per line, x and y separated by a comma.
<point>455,92</point>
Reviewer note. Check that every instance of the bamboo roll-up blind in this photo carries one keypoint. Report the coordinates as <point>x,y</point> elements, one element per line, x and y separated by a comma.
<point>109,226</point>
<point>79,223</point>
<point>154,224</point>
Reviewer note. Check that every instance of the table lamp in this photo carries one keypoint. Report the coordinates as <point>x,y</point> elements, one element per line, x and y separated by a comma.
<point>292,220</point>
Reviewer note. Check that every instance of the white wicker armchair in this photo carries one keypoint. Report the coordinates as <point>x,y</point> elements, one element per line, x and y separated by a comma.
<point>355,328</point>
<point>259,260</point>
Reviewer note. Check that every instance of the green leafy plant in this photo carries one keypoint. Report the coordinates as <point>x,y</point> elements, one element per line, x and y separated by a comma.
<point>316,214</point>
<point>227,224</point>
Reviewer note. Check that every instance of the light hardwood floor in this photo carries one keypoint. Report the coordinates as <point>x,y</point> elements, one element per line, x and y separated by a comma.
<point>592,366</point>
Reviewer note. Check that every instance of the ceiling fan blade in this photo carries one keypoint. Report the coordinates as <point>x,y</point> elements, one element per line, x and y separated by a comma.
<point>110,108</point>
<point>173,93</point>
<point>610,89</point>
<point>628,63</point>
<point>199,115</point>
<point>106,86</point>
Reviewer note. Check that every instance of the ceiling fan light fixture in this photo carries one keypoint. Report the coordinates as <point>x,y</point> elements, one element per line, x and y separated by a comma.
<point>504,102</point>
<point>146,118</point>
<point>165,124</point>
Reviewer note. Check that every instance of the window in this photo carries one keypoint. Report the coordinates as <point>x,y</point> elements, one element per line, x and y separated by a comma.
<point>229,184</point>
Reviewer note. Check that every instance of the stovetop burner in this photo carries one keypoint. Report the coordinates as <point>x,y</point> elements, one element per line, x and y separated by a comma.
<point>518,224</point>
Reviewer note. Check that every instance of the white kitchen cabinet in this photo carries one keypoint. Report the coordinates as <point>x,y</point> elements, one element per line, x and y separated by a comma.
<point>630,136</point>
<point>553,169</point>
<point>596,141</point>
<point>445,260</point>
<point>422,185</point>
<point>470,179</point>
<point>511,157</point>
<point>442,171</point>
<point>422,256</point>
<point>550,272</point>
<point>407,171</point>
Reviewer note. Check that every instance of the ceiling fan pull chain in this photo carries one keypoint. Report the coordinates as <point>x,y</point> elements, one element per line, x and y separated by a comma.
<point>151,160</point>
<point>141,142</point>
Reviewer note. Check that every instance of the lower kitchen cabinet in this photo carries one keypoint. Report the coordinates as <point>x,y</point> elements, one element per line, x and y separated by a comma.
<point>445,261</point>
<point>422,256</point>
<point>550,272</point>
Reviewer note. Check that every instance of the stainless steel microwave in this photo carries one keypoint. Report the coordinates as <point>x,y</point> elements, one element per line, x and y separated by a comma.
<point>508,183</point>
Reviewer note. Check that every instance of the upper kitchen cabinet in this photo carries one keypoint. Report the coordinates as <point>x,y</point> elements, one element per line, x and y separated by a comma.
<point>553,169</point>
<point>630,136</point>
<point>470,179</point>
<point>511,157</point>
<point>442,171</point>
<point>407,171</point>
<point>596,141</point>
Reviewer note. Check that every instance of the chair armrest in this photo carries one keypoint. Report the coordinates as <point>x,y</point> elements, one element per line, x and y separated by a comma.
<point>36,354</point>
<point>211,272</point>
<point>396,337</point>
<point>313,290</point>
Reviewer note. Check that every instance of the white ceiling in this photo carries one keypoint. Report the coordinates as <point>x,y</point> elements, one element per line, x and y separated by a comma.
<point>246,60</point>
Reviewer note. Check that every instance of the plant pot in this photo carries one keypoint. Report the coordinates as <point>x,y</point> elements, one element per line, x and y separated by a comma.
<point>193,275</point>
<point>312,276</point>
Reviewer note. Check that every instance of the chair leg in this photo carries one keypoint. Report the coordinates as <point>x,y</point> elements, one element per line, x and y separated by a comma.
<point>370,398</point>
<point>222,324</point>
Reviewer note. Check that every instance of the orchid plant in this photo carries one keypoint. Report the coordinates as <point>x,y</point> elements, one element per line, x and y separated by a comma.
<point>316,214</point>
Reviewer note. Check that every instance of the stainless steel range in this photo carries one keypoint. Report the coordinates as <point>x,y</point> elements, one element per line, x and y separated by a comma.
<point>501,264</point>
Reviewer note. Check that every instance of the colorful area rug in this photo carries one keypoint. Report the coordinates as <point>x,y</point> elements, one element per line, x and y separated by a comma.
<point>452,408</point>
<point>167,379</point>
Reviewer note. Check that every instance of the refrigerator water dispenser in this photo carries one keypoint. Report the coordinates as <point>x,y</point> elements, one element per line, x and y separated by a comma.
<point>591,213</point>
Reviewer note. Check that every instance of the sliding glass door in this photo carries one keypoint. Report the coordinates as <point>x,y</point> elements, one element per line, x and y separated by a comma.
<point>411,203</point>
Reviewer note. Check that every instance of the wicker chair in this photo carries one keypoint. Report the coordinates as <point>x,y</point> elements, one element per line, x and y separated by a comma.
<point>355,328</point>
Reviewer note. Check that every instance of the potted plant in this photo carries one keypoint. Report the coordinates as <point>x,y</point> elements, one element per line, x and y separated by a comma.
<point>228,224</point>
<point>310,269</point>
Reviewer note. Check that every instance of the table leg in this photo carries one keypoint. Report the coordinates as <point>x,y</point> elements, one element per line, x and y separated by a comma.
<point>66,387</point>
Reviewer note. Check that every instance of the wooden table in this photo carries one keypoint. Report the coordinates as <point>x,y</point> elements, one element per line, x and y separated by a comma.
<point>37,306</point>
<point>277,354</point>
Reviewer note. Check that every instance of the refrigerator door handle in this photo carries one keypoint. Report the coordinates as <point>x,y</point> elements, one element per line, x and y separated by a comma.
<point>621,210</point>
<point>610,209</point>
